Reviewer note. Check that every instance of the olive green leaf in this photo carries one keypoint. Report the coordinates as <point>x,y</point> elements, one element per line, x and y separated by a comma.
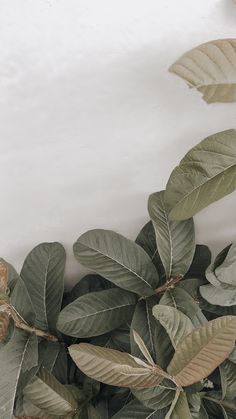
<point>176,323</point>
<point>152,333</point>
<point>12,359</point>
<point>114,367</point>
<point>97,313</point>
<point>221,274</point>
<point>218,296</point>
<point>48,394</point>
<point>147,240</point>
<point>135,409</point>
<point>203,350</point>
<point>175,239</point>
<point>22,302</point>
<point>228,382</point>
<point>117,259</point>
<point>206,174</point>
<point>43,275</point>
<point>158,397</point>
<point>139,341</point>
<point>211,69</point>
<point>180,408</point>
<point>201,260</point>
<point>215,274</point>
<point>182,300</point>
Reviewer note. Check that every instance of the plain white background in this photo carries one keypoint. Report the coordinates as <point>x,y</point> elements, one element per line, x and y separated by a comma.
<point>92,122</point>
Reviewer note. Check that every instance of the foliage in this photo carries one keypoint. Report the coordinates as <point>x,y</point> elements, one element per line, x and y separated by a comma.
<point>151,333</point>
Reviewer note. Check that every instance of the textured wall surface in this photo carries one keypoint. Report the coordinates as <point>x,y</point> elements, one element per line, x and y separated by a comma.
<point>91,120</point>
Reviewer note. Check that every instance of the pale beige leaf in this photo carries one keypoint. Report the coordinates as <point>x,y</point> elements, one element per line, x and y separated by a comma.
<point>48,394</point>
<point>4,325</point>
<point>211,69</point>
<point>3,276</point>
<point>114,367</point>
<point>203,350</point>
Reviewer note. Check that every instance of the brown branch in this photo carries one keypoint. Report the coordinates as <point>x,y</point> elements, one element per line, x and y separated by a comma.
<point>170,283</point>
<point>21,324</point>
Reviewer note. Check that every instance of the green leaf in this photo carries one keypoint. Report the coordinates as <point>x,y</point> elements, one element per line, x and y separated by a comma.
<point>175,239</point>
<point>151,332</point>
<point>205,175</point>
<point>139,341</point>
<point>202,351</point>
<point>12,360</point>
<point>228,381</point>
<point>201,260</point>
<point>147,240</point>
<point>97,313</point>
<point>181,300</point>
<point>181,408</point>
<point>176,323</point>
<point>221,274</point>
<point>218,296</point>
<point>114,367</point>
<point>22,302</point>
<point>210,68</point>
<point>43,275</point>
<point>158,397</point>
<point>117,259</point>
<point>225,272</point>
<point>48,394</point>
<point>89,283</point>
<point>135,409</point>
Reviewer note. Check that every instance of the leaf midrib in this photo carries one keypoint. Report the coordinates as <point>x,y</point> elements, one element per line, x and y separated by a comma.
<point>118,263</point>
<point>199,186</point>
<point>102,311</point>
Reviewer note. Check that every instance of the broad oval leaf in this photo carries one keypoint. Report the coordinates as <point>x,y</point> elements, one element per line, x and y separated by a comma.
<point>158,397</point>
<point>203,350</point>
<point>201,260</point>
<point>114,367</point>
<point>211,69</point>
<point>22,302</point>
<point>221,274</point>
<point>218,295</point>
<point>97,313</point>
<point>151,332</point>
<point>182,300</point>
<point>12,359</point>
<point>43,275</point>
<point>117,259</point>
<point>206,174</point>
<point>45,392</point>
<point>175,239</point>
<point>147,240</point>
<point>176,323</point>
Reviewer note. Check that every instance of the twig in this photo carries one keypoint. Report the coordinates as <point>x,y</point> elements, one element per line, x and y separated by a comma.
<point>170,283</point>
<point>21,324</point>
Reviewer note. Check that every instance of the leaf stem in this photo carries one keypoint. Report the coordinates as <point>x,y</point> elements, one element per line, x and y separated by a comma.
<point>21,324</point>
<point>170,283</point>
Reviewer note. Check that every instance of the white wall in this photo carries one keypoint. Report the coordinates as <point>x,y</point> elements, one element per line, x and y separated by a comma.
<point>91,121</point>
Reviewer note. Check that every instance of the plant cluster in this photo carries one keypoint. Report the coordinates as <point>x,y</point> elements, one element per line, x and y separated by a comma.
<point>151,333</point>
